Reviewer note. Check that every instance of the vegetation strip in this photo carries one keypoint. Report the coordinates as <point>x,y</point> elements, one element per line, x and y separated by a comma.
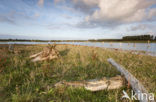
<point>25,81</point>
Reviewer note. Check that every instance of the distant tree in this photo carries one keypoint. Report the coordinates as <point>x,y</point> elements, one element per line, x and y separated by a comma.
<point>139,37</point>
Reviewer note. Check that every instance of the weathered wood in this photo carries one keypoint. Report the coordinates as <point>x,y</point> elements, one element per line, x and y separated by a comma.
<point>135,84</point>
<point>95,84</point>
<point>35,55</point>
<point>48,53</point>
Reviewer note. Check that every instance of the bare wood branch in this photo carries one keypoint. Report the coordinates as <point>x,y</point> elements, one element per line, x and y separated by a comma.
<point>48,53</point>
<point>95,84</point>
<point>136,85</point>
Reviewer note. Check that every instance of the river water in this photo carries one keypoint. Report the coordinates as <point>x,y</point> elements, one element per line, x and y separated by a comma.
<point>151,47</point>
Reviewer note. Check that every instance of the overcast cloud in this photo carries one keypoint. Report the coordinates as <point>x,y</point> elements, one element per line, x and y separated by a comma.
<point>78,17</point>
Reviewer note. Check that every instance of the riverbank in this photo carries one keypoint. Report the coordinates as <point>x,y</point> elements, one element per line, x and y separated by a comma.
<point>144,47</point>
<point>116,40</point>
<point>23,80</point>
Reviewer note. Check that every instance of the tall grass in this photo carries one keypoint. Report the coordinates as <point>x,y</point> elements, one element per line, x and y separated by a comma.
<point>24,81</point>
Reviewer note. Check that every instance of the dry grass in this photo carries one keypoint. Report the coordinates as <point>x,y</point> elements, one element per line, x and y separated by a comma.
<point>25,81</point>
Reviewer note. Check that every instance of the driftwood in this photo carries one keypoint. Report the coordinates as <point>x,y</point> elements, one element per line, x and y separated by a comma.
<point>48,53</point>
<point>95,84</point>
<point>135,84</point>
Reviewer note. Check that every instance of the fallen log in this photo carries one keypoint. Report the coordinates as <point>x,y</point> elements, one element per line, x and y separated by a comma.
<point>95,84</point>
<point>48,53</point>
<point>35,55</point>
<point>137,87</point>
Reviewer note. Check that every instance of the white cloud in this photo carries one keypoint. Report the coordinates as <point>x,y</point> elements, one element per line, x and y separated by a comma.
<point>90,3</point>
<point>110,13</point>
<point>114,12</point>
<point>121,10</point>
<point>147,28</point>
<point>57,1</point>
<point>40,2</point>
<point>139,27</point>
<point>152,13</point>
<point>36,15</point>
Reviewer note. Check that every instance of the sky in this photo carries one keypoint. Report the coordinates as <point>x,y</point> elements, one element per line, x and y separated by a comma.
<point>76,19</point>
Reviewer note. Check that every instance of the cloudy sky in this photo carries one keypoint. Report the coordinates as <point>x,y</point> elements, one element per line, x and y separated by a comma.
<point>76,19</point>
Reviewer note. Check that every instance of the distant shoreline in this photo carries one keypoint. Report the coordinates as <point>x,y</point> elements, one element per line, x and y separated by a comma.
<point>107,40</point>
<point>115,49</point>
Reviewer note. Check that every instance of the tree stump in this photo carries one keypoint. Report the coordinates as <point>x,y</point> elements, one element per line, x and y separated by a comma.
<point>48,53</point>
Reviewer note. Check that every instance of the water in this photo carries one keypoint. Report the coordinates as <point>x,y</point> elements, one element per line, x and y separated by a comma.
<point>151,47</point>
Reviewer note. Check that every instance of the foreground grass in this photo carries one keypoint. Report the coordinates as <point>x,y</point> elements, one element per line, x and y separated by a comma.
<point>24,81</point>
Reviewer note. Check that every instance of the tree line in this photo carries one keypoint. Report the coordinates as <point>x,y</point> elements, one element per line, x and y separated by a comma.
<point>139,37</point>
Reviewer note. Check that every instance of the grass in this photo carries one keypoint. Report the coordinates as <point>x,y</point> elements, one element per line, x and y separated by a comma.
<point>24,81</point>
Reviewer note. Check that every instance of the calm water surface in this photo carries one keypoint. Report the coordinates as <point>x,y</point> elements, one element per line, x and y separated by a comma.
<point>151,47</point>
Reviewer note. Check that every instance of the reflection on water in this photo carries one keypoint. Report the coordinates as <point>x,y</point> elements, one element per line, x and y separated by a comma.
<point>148,47</point>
